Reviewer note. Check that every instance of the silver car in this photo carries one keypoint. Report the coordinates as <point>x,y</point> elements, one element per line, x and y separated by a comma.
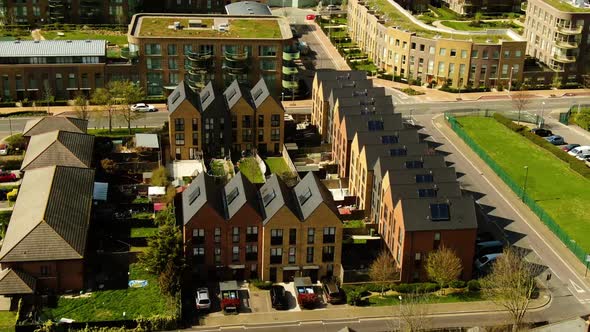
<point>202,299</point>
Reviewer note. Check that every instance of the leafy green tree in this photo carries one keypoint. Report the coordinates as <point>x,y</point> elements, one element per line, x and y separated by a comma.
<point>443,266</point>
<point>127,93</point>
<point>81,104</point>
<point>16,141</point>
<point>160,177</point>
<point>104,98</point>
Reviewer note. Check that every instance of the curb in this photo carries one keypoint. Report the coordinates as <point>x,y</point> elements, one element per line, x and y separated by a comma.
<point>542,306</point>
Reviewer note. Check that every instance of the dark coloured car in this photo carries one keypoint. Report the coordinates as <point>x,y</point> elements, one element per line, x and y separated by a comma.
<point>334,295</point>
<point>541,132</point>
<point>568,147</point>
<point>279,298</point>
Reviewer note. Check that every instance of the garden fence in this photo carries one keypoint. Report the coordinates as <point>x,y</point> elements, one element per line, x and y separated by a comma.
<point>518,189</point>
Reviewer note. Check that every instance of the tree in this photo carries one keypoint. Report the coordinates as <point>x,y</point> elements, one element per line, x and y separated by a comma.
<point>414,312</point>
<point>520,101</point>
<point>16,141</point>
<point>81,104</point>
<point>48,96</point>
<point>476,20</point>
<point>443,266</point>
<point>511,283</point>
<point>556,81</point>
<point>126,93</point>
<point>105,99</point>
<point>108,165</point>
<point>160,177</point>
<point>383,269</point>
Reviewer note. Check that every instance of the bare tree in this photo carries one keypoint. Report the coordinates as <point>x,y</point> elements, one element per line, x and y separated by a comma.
<point>511,283</point>
<point>383,269</point>
<point>105,99</point>
<point>48,96</point>
<point>443,266</point>
<point>81,104</point>
<point>520,101</point>
<point>413,313</point>
<point>127,93</point>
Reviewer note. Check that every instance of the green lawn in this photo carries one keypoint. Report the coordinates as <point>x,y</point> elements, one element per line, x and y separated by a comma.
<point>277,165</point>
<point>117,38</point>
<point>389,300</point>
<point>111,304</point>
<point>484,25</point>
<point>561,192</point>
<point>249,167</point>
<point>7,321</point>
<point>118,132</point>
<point>140,232</point>
<point>566,7</point>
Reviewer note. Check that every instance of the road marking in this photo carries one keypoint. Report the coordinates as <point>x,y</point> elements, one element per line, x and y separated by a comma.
<point>511,206</point>
<point>576,287</point>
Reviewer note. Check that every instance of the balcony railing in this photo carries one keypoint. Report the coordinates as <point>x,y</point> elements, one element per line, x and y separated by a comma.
<point>570,30</point>
<point>235,56</point>
<point>566,44</point>
<point>199,56</point>
<point>564,58</point>
<point>127,54</point>
<point>290,70</point>
<point>291,53</point>
<point>290,84</point>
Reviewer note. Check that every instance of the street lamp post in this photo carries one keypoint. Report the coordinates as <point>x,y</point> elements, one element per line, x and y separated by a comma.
<point>282,97</point>
<point>400,313</point>
<point>526,176</point>
<point>542,123</point>
<point>510,82</point>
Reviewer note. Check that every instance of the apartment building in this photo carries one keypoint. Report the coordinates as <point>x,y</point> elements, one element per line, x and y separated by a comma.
<point>302,231</point>
<point>323,84</point>
<point>558,35</point>
<point>203,48</point>
<point>221,228</point>
<point>68,11</point>
<point>217,124</point>
<point>362,164</point>
<point>471,7</point>
<point>383,179</point>
<point>68,68</point>
<point>404,49</point>
<point>413,227</point>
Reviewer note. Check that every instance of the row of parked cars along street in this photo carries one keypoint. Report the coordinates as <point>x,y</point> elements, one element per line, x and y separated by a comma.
<point>581,152</point>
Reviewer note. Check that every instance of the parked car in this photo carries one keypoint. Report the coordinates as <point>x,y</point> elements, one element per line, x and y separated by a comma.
<point>588,162</point>
<point>332,7</point>
<point>334,294</point>
<point>555,140</point>
<point>569,147</point>
<point>310,17</point>
<point>142,107</point>
<point>7,177</point>
<point>485,262</point>
<point>202,299</point>
<point>541,132</point>
<point>3,149</point>
<point>279,298</point>
<point>488,247</point>
<point>580,151</point>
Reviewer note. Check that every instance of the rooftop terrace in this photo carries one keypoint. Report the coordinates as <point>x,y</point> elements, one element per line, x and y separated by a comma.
<point>156,26</point>
<point>398,19</point>
<point>566,6</point>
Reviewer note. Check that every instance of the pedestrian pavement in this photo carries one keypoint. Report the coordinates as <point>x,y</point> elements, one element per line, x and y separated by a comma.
<point>58,110</point>
<point>336,58</point>
<point>347,312</point>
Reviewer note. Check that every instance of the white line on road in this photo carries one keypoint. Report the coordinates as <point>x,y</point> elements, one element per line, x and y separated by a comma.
<point>511,206</point>
<point>576,287</point>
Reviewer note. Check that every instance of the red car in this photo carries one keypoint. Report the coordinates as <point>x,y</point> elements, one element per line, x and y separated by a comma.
<point>7,177</point>
<point>310,17</point>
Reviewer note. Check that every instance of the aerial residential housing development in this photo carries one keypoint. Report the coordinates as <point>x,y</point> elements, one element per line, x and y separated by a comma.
<point>483,6</point>
<point>557,33</point>
<point>203,48</point>
<point>239,119</point>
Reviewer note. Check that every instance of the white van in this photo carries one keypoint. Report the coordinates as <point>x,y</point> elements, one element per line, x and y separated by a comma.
<point>580,151</point>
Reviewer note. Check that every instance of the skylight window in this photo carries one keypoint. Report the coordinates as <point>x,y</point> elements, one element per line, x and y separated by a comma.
<point>192,197</point>
<point>414,164</point>
<point>375,125</point>
<point>205,96</point>
<point>175,97</point>
<point>389,139</point>
<point>231,94</point>
<point>429,192</point>
<point>257,94</point>
<point>440,212</point>
<point>268,197</point>
<point>232,195</point>
<point>304,197</point>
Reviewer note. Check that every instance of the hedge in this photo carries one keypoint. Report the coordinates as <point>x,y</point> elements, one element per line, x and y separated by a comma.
<point>264,285</point>
<point>575,164</point>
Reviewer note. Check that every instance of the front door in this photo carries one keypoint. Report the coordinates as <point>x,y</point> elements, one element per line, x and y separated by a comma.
<point>288,275</point>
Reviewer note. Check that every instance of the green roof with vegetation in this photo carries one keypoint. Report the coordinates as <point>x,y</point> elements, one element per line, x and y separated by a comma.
<point>566,7</point>
<point>152,26</point>
<point>113,37</point>
<point>249,167</point>
<point>277,165</point>
<point>109,305</point>
<point>398,19</point>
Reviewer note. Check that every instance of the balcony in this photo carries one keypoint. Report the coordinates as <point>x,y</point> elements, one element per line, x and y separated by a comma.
<point>570,30</point>
<point>566,44</point>
<point>290,70</point>
<point>199,56</point>
<point>291,85</point>
<point>291,53</point>
<point>234,68</point>
<point>56,4</point>
<point>127,54</point>
<point>564,58</point>
<point>235,56</point>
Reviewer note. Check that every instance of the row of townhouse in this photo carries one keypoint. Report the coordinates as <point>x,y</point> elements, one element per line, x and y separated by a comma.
<point>44,247</point>
<point>399,180</point>
<point>221,124</point>
<point>273,233</point>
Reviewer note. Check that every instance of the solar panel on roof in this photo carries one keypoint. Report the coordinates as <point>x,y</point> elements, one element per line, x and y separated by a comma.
<point>389,139</point>
<point>374,125</point>
<point>440,212</point>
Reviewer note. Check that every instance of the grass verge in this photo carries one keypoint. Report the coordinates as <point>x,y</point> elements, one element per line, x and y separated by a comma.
<point>551,182</point>
<point>110,305</point>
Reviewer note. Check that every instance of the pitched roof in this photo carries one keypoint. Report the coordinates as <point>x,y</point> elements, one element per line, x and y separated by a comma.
<point>237,192</point>
<point>259,93</point>
<point>247,8</point>
<point>206,96</point>
<point>309,193</point>
<point>362,90</point>
<point>51,215</point>
<point>182,92</point>
<point>374,152</point>
<point>408,176</point>
<point>61,148</point>
<point>404,136</point>
<point>330,79</point>
<point>443,190</point>
<point>202,189</point>
<point>418,214</point>
<point>399,163</point>
<point>52,123</point>
<point>355,123</point>
<point>273,195</point>
<point>14,282</point>
<point>234,92</point>
<point>53,48</point>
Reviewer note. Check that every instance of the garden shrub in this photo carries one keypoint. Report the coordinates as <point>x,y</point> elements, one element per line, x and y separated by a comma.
<point>353,297</point>
<point>308,301</point>
<point>264,285</point>
<point>426,287</point>
<point>457,284</point>
<point>473,285</point>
